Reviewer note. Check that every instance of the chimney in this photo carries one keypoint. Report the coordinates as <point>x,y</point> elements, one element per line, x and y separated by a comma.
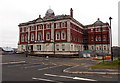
<point>39,16</point>
<point>71,12</point>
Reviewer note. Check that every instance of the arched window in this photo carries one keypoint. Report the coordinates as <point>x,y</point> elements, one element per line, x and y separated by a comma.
<point>63,24</point>
<point>97,38</point>
<point>40,26</point>
<point>26,38</point>
<point>40,36</point>
<point>104,38</point>
<point>48,36</point>
<point>22,38</point>
<point>92,39</point>
<point>32,36</point>
<point>48,25</point>
<point>32,28</point>
<point>57,35</point>
<point>63,35</point>
<point>22,29</point>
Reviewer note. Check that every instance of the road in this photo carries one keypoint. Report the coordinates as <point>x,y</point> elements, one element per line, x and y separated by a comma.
<point>48,70</point>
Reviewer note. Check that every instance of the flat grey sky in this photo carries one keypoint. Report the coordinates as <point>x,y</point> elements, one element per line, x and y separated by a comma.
<point>13,12</point>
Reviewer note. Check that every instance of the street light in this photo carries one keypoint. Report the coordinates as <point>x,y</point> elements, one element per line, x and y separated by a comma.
<point>110,18</point>
<point>27,46</point>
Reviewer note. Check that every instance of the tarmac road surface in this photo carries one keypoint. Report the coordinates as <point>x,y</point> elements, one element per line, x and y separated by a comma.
<point>48,70</point>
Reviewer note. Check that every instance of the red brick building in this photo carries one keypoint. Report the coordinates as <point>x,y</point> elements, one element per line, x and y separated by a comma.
<point>62,35</point>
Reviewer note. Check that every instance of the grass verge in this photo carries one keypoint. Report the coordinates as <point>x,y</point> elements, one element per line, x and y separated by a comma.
<point>107,65</point>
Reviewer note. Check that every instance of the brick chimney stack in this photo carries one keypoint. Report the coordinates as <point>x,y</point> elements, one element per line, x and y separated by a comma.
<point>71,12</point>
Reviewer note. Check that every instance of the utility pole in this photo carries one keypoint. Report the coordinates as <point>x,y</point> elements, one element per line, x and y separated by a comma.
<point>54,39</point>
<point>110,18</point>
<point>27,42</point>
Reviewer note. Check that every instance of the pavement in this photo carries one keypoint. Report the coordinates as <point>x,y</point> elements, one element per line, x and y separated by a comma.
<point>85,69</point>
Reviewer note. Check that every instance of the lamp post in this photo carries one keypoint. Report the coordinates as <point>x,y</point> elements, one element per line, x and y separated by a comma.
<point>27,46</point>
<point>110,18</point>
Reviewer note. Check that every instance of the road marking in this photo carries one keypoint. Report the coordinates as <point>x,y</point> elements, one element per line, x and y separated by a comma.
<point>32,66</point>
<point>49,67</point>
<point>13,62</point>
<point>71,67</point>
<point>58,76</point>
<point>46,80</point>
<point>75,78</point>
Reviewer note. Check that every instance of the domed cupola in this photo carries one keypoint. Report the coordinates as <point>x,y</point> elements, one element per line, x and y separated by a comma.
<point>50,11</point>
<point>49,14</point>
<point>98,23</point>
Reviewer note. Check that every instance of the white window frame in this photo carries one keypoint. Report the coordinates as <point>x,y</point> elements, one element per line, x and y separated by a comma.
<point>22,38</point>
<point>92,47</point>
<point>104,38</point>
<point>91,30</point>
<point>92,38</point>
<point>105,48</point>
<point>63,47</point>
<point>63,24</point>
<point>32,28</point>
<point>22,29</point>
<point>71,47</point>
<point>40,36</point>
<point>57,47</point>
<point>58,35</point>
<point>100,47</point>
<point>58,25</point>
<point>39,47</point>
<point>48,36</point>
<point>48,26</point>
<point>63,32</point>
<point>32,36</point>
<point>99,38</point>
<point>40,27</point>
<point>26,37</point>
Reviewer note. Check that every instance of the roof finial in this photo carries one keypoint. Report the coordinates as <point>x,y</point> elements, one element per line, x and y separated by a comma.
<point>98,19</point>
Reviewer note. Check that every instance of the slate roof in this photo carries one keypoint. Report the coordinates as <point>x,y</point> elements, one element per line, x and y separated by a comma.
<point>97,23</point>
<point>55,18</point>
